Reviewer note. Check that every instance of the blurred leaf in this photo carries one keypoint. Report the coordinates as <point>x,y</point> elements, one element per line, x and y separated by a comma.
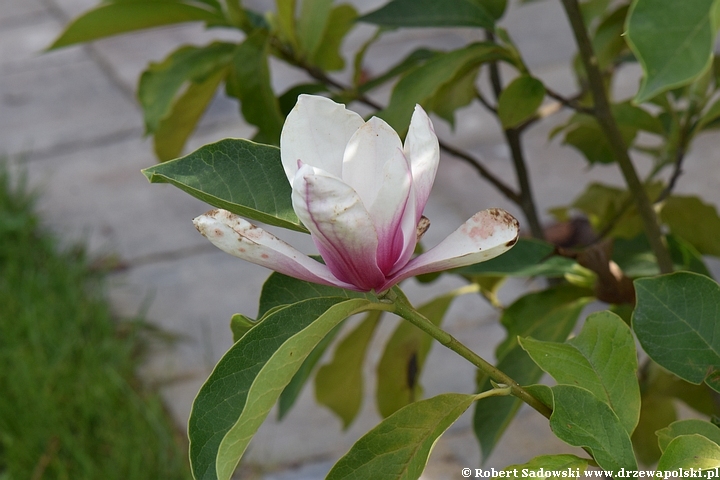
<point>580,419</point>
<point>114,18</point>
<point>284,22</point>
<point>520,100</point>
<point>399,446</point>
<point>528,258</point>
<point>311,24</point>
<point>695,221</point>
<point>635,258</point>
<point>241,176</point>
<point>160,82</point>
<point>175,128</point>
<point>603,204</point>
<point>608,41</point>
<point>541,467</point>
<point>453,95</point>
<point>247,381</point>
<point>429,13</point>
<point>657,412</point>
<point>496,8</point>
<point>403,359</point>
<point>672,40</point>
<point>675,321</point>
<point>240,325</point>
<point>279,290</point>
<point>293,389</point>
<point>339,383</point>
<point>327,55</point>
<point>548,315</point>
<point>601,359</point>
<point>421,84</point>
<point>687,427</point>
<point>690,452</point>
<point>249,80</point>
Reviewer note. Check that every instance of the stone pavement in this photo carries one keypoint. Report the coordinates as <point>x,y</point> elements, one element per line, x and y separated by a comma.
<point>70,116</point>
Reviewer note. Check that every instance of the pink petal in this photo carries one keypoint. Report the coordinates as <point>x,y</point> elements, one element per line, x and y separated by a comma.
<point>238,237</point>
<point>340,226</point>
<point>423,151</point>
<point>486,235</point>
<point>316,132</point>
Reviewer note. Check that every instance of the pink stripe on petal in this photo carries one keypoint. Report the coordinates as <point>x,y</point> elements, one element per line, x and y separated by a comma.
<point>340,226</point>
<point>486,235</point>
<point>236,236</point>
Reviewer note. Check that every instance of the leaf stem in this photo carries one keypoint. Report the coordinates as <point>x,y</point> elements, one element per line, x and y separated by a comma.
<point>404,309</point>
<point>604,116</point>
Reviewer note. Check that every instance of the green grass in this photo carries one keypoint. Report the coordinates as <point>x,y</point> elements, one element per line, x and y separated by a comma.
<point>70,404</point>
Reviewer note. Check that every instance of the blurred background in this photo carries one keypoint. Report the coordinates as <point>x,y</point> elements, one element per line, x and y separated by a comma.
<point>69,119</point>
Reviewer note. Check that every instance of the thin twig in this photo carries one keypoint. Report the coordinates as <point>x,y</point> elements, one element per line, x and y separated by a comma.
<point>512,137</point>
<point>570,102</point>
<point>607,122</point>
<point>485,102</point>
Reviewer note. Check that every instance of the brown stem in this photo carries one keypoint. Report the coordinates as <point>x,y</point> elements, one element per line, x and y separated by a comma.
<point>604,116</point>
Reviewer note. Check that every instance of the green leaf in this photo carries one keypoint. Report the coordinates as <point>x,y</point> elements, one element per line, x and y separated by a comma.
<point>657,412</point>
<point>690,451</point>
<point>635,258</point>
<point>327,56</point>
<point>429,13</point>
<point>687,427</point>
<point>114,18</point>
<point>601,359</point>
<point>293,389</point>
<point>571,464</point>
<point>548,315</point>
<point>174,130</point>
<point>240,325</point>
<point>279,290</point>
<point>455,94</point>
<point>580,419</point>
<point>284,22</point>
<point>247,381</point>
<point>673,42</point>
<point>311,24</point>
<point>160,82</point>
<point>695,221</point>
<point>608,41</point>
<point>528,258</point>
<point>402,361</point>
<point>241,176</point>
<point>398,448</point>
<point>339,384</point>
<point>421,84</point>
<point>496,8</point>
<point>675,321</point>
<point>249,80</point>
<point>520,100</point>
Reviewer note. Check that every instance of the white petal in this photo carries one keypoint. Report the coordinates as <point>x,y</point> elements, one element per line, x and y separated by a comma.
<point>423,151</point>
<point>486,235</point>
<point>238,237</point>
<point>370,148</point>
<point>316,132</point>
<point>340,226</point>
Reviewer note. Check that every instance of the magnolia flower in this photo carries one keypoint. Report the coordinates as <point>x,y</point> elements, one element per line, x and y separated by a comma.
<point>361,194</point>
